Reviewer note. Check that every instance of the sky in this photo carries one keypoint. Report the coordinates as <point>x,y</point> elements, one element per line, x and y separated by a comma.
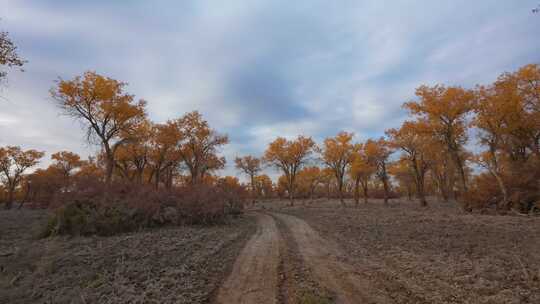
<point>257,69</point>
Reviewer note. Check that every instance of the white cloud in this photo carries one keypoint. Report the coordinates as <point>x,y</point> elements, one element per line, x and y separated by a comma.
<point>338,66</point>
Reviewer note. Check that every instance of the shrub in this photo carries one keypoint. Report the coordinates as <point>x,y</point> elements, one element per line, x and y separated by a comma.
<point>523,196</point>
<point>94,208</point>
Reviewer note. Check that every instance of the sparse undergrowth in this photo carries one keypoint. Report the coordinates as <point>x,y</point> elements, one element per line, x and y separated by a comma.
<point>438,254</point>
<point>167,265</point>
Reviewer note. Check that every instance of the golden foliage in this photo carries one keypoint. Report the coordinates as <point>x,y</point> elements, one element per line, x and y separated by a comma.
<point>337,153</point>
<point>108,113</point>
<point>13,163</point>
<point>289,156</point>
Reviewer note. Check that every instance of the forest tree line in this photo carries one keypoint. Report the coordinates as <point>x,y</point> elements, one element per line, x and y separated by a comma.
<point>477,146</point>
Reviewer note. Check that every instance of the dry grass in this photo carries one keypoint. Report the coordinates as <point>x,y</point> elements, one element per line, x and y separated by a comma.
<point>168,265</point>
<point>435,255</point>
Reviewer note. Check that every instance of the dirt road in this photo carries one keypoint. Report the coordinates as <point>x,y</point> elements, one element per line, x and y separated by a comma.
<point>329,267</point>
<point>254,278</point>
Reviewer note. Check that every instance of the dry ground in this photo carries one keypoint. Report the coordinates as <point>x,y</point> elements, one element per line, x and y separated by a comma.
<point>170,265</point>
<point>433,255</point>
<point>312,254</point>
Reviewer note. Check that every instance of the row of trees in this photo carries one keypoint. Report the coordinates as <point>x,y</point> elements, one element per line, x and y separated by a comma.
<point>134,147</point>
<point>430,148</point>
<point>426,155</point>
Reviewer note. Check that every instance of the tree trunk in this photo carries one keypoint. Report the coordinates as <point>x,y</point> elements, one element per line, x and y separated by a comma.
<point>463,180</point>
<point>328,191</point>
<point>502,186</point>
<point>365,188</point>
<point>109,164</point>
<point>291,189</point>
<point>169,180</point>
<point>291,198</point>
<point>420,192</point>
<point>340,190</point>
<point>385,186</point>
<point>9,202</point>
<point>157,176</point>
<point>26,195</point>
<point>443,191</point>
<point>253,192</point>
<point>150,176</point>
<point>356,192</point>
<point>419,181</point>
<point>139,177</point>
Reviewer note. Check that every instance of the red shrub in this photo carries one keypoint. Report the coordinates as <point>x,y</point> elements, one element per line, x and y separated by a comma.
<point>94,208</point>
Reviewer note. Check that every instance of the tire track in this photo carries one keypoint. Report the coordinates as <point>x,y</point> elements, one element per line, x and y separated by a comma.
<point>326,262</point>
<point>297,283</point>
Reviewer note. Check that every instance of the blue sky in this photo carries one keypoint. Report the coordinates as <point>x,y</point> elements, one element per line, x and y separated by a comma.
<point>257,69</point>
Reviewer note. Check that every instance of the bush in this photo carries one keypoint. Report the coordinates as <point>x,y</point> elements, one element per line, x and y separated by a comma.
<point>93,208</point>
<point>485,194</point>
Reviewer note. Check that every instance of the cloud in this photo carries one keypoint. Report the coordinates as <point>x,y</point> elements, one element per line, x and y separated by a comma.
<point>258,69</point>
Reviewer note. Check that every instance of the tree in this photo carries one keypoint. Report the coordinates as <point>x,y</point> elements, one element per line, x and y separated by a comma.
<point>282,186</point>
<point>508,113</point>
<point>414,140</point>
<point>132,158</point>
<point>108,113</point>
<point>66,162</point>
<point>491,163</point>
<point>289,156</point>
<point>263,186</point>
<point>401,172</point>
<point>164,149</point>
<point>492,109</point>
<point>327,179</point>
<point>508,123</point>
<point>233,191</point>
<point>13,162</point>
<point>377,153</point>
<point>42,185</point>
<point>442,170</point>
<point>337,153</point>
<point>199,146</point>
<point>90,169</point>
<point>361,171</point>
<point>446,109</point>
<point>309,178</point>
<point>8,55</point>
<point>251,166</point>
